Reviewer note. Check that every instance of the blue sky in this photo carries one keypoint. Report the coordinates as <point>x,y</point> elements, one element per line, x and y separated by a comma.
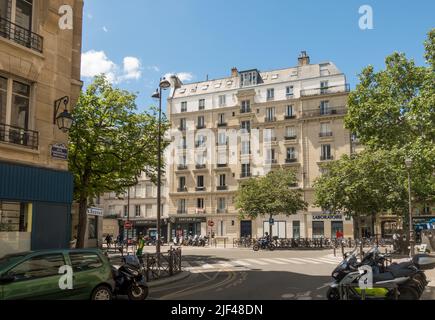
<point>138,41</point>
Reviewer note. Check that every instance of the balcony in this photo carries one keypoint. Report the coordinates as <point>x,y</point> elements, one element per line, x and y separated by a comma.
<point>271,161</point>
<point>221,211</point>
<point>182,129</point>
<point>200,166</point>
<point>327,90</point>
<point>291,160</point>
<point>326,158</point>
<point>324,112</point>
<point>21,35</point>
<point>222,188</point>
<point>222,165</point>
<point>200,211</point>
<point>287,117</point>
<point>325,134</point>
<point>200,126</point>
<point>245,175</point>
<point>182,167</point>
<point>290,138</point>
<point>245,110</point>
<point>200,189</point>
<point>183,189</point>
<point>222,124</point>
<point>181,211</point>
<point>18,136</point>
<point>270,119</point>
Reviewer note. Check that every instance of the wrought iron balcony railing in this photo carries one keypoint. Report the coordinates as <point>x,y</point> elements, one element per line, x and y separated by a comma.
<point>326,90</point>
<point>326,158</point>
<point>288,138</point>
<point>19,136</point>
<point>325,134</point>
<point>222,188</point>
<point>320,112</point>
<point>20,35</point>
<point>291,160</point>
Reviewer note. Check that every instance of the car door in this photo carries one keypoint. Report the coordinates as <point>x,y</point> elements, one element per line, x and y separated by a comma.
<point>88,272</point>
<point>36,278</point>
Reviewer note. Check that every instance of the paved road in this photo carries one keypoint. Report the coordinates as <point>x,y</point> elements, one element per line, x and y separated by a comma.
<point>234,274</point>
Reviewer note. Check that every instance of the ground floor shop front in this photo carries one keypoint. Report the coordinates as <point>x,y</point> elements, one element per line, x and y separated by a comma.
<point>304,225</point>
<point>35,208</point>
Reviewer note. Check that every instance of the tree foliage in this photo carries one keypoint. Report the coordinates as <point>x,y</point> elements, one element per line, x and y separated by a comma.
<point>270,195</point>
<point>111,144</point>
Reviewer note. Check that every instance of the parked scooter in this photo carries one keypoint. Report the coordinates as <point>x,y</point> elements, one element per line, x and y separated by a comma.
<point>130,279</point>
<point>408,278</point>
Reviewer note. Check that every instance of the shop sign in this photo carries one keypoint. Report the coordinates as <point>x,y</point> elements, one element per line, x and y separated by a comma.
<point>327,217</point>
<point>190,220</point>
<point>59,152</point>
<point>141,223</point>
<point>94,211</point>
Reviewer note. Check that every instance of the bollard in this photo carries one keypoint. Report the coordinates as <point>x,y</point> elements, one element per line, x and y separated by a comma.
<point>342,249</point>
<point>335,251</point>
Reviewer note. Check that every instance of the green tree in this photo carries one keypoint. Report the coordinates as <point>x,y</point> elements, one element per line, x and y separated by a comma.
<point>111,144</point>
<point>270,195</point>
<point>394,109</point>
<point>364,184</point>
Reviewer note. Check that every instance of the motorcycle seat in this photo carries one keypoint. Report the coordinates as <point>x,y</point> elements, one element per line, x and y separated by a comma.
<point>397,266</point>
<point>385,276</point>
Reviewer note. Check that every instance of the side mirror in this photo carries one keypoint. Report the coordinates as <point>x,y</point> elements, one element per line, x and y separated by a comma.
<point>6,279</point>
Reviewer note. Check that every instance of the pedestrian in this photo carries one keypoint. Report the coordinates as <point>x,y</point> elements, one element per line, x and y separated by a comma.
<point>140,245</point>
<point>108,240</point>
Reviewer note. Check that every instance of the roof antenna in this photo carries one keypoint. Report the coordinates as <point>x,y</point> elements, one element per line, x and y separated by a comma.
<point>206,78</point>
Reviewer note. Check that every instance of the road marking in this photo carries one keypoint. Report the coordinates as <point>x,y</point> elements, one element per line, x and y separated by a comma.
<point>256,262</point>
<point>225,264</point>
<point>327,261</point>
<point>306,260</point>
<point>242,263</point>
<point>289,261</point>
<point>208,266</point>
<point>273,261</point>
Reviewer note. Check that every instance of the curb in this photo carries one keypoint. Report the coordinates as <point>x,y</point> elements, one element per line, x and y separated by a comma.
<point>181,276</point>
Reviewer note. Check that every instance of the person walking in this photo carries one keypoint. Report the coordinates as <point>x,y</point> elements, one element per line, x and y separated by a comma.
<point>140,245</point>
<point>108,241</point>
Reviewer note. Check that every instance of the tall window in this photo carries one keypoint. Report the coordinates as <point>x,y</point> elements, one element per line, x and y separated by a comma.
<point>200,181</point>
<point>21,8</point>
<point>222,205</point>
<point>324,85</point>
<point>201,104</point>
<point>183,125</point>
<point>222,138</point>
<point>269,135</point>
<point>149,191</point>
<point>184,106</point>
<point>15,97</point>
<point>291,153</point>
<point>249,78</point>
<point>137,211</point>
<point>222,101</point>
<point>324,108</point>
<point>270,94</point>
<point>290,112</point>
<point>246,147</point>
<point>149,210</point>
<point>182,206</point>
<point>246,106</point>
<point>201,122</point>
<point>246,170</point>
<point>289,91</point>
<point>270,155</point>
<point>221,118</point>
<point>325,129</point>
<point>222,180</point>
<point>245,126</point>
<point>126,211</point>
<point>326,152</point>
<point>200,203</point>
<point>291,132</point>
<point>270,114</point>
<point>182,183</point>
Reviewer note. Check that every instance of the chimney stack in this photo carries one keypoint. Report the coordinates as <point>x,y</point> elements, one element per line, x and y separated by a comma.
<point>234,72</point>
<point>304,59</point>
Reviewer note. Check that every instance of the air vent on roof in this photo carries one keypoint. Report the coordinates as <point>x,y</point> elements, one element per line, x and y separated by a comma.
<point>205,87</point>
<point>274,77</point>
<point>182,90</point>
<point>218,85</point>
<point>193,90</point>
<point>229,82</point>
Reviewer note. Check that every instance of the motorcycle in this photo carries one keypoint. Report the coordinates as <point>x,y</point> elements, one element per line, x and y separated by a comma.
<point>405,281</point>
<point>264,243</point>
<point>130,280</point>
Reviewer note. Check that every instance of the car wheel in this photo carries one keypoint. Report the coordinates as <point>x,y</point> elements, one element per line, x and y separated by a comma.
<point>333,294</point>
<point>137,293</point>
<point>408,293</point>
<point>102,293</point>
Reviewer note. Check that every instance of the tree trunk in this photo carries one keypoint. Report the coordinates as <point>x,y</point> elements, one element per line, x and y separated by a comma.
<point>270,227</point>
<point>83,219</point>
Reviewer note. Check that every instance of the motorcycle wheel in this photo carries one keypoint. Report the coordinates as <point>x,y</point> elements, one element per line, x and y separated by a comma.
<point>137,293</point>
<point>272,247</point>
<point>408,293</point>
<point>333,294</point>
<point>256,247</point>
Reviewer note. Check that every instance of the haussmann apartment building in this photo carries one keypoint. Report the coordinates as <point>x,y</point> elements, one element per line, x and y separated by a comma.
<point>231,129</point>
<point>39,63</point>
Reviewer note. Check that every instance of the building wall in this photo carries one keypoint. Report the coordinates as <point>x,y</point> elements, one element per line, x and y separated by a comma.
<point>306,80</point>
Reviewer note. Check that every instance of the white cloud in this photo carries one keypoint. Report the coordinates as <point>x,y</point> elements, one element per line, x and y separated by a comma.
<point>96,62</point>
<point>132,68</point>
<point>183,76</point>
<point>105,29</point>
<point>154,68</point>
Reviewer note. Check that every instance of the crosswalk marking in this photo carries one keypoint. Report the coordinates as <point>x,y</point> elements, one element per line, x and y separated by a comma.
<point>327,261</point>
<point>242,263</point>
<point>289,261</point>
<point>257,262</point>
<point>306,260</point>
<point>225,264</point>
<point>274,261</point>
<point>207,266</point>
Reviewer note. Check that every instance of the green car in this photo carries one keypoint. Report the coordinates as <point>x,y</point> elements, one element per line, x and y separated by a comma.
<point>56,275</point>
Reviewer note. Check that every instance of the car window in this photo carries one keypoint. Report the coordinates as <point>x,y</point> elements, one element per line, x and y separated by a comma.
<point>85,261</point>
<point>38,267</point>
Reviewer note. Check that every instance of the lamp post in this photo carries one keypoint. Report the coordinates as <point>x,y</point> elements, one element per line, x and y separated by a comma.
<point>64,120</point>
<point>408,163</point>
<point>163,85</point>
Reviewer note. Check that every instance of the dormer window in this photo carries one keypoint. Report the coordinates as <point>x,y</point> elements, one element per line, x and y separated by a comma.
<point>249,78</point>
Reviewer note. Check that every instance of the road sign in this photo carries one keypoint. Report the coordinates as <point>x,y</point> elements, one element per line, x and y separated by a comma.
<point>211,224</point>
<point>272,221</point>
<point>128,225</point>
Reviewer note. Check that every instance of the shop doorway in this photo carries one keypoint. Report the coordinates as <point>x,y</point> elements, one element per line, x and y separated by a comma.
<point>246,229</point>
<point>336,226</point>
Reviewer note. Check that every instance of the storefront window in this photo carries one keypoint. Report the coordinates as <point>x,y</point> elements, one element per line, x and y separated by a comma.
<point>296,229</point>
<point>14,217</point>
<point>318,229</point>
<point>335,227</point>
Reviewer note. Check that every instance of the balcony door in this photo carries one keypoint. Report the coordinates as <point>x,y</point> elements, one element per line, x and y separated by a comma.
<point>18,12</point>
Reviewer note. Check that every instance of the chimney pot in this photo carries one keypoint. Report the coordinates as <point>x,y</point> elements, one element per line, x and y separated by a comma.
<point>234,72</point>
<point>304,59</point>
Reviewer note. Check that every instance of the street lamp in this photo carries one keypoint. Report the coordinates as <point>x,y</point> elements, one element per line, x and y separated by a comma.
<point>408,163</point>
<point>64,120</point>
<point>163,85</point>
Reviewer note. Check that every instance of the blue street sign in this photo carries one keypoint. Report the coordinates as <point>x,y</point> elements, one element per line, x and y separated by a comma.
<point>272,221</point>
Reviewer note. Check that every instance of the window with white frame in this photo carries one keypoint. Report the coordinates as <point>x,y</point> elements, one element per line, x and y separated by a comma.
<point>182,206</point>
<point>245,126</point>
<point>325,129</point>
<point>290,111</point>
<point>222,100</point>
<point>14,103</point>
<point>222,205</point>
<point>149,210</point>
<point>222,138</point>
<point>246,147</point>
<point>201,122</point>
<point>326,152</point>
<point>183,125</point>
<point>221,118</point>
<point>291,153</point>
<point>270,114</point>
<point>291,132</point>
<point>201,104</point>
<point>200,181</point>
<point>249,78</point>
<point>324,108</point>
<point>289,91</point>
<point>246,170</point>
<point>222,180</point>
<point>184,106</point>
<point>137,212</point>
<point>245,106</point>
<point>270,94</point>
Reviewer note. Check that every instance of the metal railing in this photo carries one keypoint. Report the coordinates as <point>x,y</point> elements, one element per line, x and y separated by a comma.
<point>19,136</point>
<point>21,35</point>
<point>162,265</point>
<point>325,134</point>
<point>325,90</point>
<point>319,112</point>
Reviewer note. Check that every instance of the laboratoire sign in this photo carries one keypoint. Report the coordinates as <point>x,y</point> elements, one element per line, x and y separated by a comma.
<point>317,216</point>
<point>59,151</point>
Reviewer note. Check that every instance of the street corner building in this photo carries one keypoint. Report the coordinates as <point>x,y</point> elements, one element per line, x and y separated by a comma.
<point>39,64</point>
<point>230,129</point>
